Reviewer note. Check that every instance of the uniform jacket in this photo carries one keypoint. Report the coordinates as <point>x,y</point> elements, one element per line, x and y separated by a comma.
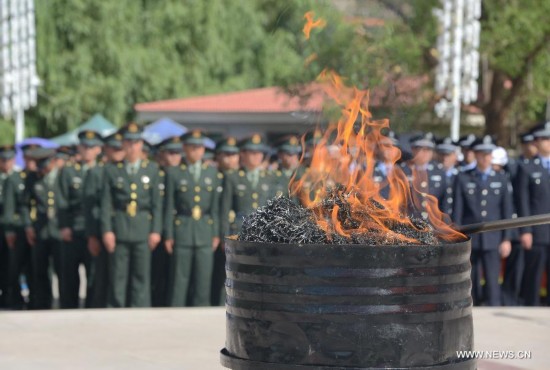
<point>240,198</point>
<point>13,200</point>
<point>533,197</point>
<point>431,181</point>
<point>481,201</point>
<point>93,189</point>
<point>131,206</point>
<point>40,206</point>
<point>72,181</point>
<point>192,209</point>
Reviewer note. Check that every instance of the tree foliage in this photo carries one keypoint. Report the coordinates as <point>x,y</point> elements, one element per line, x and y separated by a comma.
<point>105,56</point>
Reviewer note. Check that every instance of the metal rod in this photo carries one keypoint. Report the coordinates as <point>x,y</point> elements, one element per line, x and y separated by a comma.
<point>505,224</point>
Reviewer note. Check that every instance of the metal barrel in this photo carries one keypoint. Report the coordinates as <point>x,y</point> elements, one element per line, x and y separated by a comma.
<point>347,306</point>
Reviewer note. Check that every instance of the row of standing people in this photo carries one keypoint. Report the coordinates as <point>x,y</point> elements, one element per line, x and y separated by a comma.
<point>484,187</point>
<point>148,232</point>
<point>151,235</point>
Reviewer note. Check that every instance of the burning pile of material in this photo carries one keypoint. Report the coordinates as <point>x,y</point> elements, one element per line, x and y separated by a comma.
<point>342,203</point>
<point>283,221</point>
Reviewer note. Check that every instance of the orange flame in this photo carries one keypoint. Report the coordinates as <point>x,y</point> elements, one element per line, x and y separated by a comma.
<point>311,24</point>
<point>346,157</point>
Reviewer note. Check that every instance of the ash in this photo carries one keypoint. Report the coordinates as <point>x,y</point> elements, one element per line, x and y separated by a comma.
<point>284,221</point>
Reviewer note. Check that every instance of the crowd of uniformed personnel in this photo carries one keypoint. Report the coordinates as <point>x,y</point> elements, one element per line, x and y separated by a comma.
<point>148,224</point>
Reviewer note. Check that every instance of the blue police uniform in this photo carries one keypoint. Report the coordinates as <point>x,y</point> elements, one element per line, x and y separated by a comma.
<point>482,197</point>
<point>533,193</point>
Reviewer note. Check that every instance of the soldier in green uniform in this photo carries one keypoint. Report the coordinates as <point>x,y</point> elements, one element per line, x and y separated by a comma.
<point>227,158</point>
<point>289,150</point>
<point>249,188</point>
<point>39,211</point>
<point>7,161</point>
<point>20,250</point>
<point>168,154</point>
<point>93,187</point>
<point>192,224</point>
<point>72,222</point>
<point>131,212</point>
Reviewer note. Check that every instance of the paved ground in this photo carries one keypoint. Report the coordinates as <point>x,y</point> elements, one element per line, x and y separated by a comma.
<point>192,338</point>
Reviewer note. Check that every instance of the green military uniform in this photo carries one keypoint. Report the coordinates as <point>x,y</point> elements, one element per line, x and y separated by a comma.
<point>192,221</point>
<point>72,216</point>
<point>161,258</point>
<point>7,153</point>
<point>131,208</point>
<point>217,296</point>
<point>20,256</point>
<point>39,211</point>
<point>93,188</point>
<point>289,145</point>
<point>246,190</point>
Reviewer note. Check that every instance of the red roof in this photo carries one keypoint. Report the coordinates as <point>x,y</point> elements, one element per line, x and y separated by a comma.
<point>403,92</point>
<point>268,99</point>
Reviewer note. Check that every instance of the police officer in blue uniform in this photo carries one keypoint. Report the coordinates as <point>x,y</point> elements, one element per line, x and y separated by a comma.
<point>425,175</point>
<point>533,192</point>
<point>387,155</point>
<point>515,263</point>
<point>483,195</point>
<point>468,161</point>
<point>447,155</point>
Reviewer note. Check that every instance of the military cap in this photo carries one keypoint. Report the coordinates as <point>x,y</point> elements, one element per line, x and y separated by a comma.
<point>171,144</point>
<point>446,146</point>
<point>64,152</point>
<point>426,140</point>
<point>254,143</point>
<point>7,151</point>
<point>132,131</point>
<point>89,138</point>
<point>542,131</point>
<point>390,137</point>
<point>194,137</point>
<point>484,144</point>
<point>228,145</point>
<point>313,138</point>
<point>25,148</point>
<point>466,141</point>
<point>526,137</point>
<point>42,156</point>
<point>114,140</point>
<point>290,144</point>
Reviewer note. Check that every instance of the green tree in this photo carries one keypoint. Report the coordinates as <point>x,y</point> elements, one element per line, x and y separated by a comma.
<point>515,42</point>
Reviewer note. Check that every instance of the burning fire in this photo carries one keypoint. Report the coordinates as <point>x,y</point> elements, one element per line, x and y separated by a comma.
<point>342,167</point>
<point>311,24</point>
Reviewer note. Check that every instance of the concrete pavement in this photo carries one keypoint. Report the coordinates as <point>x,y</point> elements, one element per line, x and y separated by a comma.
<point>191,338</point>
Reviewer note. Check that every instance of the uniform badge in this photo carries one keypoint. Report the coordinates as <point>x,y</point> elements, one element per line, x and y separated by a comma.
<point>196,213</point>
<point>131,209</point>
<point>241,187</point>
<point>21,186</point>
<point>38,187</point>
<point>265,187</point>
<point>183,182</point>
<point>207,180</point>
<point>145,179</point>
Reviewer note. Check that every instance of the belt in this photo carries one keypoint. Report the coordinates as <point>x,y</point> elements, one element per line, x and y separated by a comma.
<point>196,212</point>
